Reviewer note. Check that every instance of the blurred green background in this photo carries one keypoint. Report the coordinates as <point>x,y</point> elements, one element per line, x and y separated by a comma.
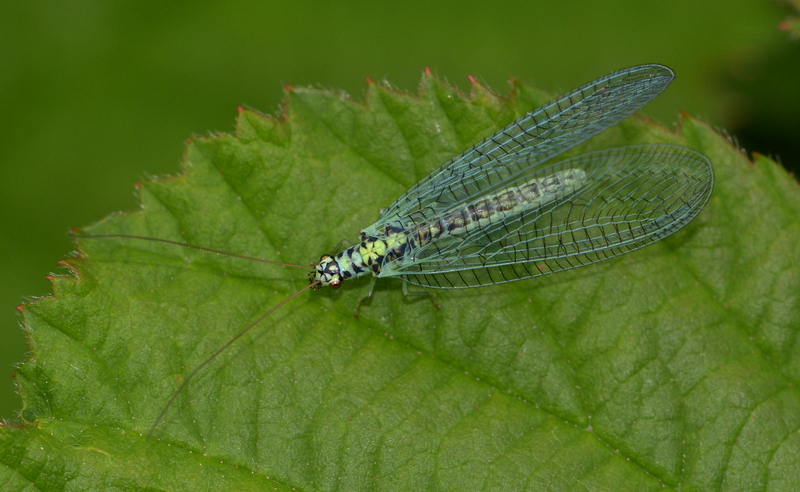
<point>95,96</point>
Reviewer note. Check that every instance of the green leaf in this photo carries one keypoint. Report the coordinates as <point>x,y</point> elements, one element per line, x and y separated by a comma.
<point>673,366</point>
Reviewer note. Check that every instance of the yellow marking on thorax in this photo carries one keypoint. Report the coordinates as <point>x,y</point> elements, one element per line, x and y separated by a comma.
<point>345,263</point>
<point>372,250</point>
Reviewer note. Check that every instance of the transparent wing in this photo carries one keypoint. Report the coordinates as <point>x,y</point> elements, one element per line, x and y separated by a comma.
<point>525,144</point>
<point>631,197</point>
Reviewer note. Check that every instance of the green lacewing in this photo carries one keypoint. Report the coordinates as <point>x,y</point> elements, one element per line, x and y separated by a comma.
<point>506,209</point>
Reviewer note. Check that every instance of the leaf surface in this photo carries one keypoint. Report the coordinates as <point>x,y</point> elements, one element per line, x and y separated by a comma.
<point>672,366</point>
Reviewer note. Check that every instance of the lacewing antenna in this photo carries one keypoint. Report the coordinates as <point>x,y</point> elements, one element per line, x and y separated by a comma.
<point>214,356</point>
<point>186,245</point>
<point>230,342</point>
